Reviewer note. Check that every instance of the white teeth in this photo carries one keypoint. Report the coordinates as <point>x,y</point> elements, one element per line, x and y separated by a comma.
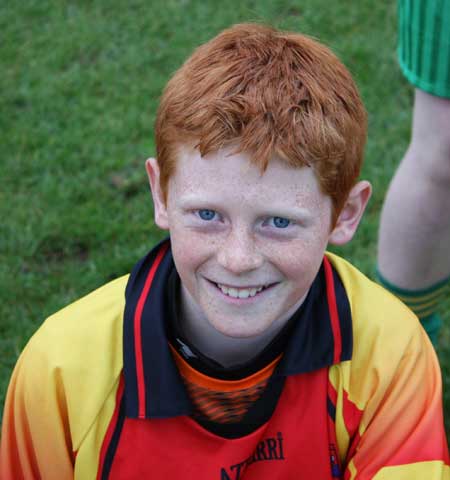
<point>233,292</point>
<point>239,292</point>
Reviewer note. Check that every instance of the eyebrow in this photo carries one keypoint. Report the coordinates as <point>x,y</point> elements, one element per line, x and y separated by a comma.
<point>196,201</point>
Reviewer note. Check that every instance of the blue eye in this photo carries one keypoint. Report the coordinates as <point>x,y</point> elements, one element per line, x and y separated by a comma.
<point>206,214</point>
<point>281,222</point>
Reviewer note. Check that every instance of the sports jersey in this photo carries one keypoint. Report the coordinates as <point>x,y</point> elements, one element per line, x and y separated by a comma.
<point>97,392</point>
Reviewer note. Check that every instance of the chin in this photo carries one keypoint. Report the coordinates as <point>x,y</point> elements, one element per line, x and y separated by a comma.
<point>238,331</point>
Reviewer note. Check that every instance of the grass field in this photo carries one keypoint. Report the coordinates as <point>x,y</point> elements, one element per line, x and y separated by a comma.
<point>79,88</point>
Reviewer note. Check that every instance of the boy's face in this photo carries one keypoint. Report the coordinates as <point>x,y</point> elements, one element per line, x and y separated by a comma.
<point>246,245</point>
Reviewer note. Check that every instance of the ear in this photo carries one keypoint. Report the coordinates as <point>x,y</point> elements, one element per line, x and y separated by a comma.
<point>350,216</point>
<point>159,204</point>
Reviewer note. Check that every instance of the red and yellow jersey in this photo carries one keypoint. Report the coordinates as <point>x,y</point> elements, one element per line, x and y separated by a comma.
<point>98,393</point>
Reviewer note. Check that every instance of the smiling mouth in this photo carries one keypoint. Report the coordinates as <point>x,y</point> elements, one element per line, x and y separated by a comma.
<point>235,292</point>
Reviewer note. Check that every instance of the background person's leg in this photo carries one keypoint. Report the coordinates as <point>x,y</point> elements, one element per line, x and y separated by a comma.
<point>414,237</point>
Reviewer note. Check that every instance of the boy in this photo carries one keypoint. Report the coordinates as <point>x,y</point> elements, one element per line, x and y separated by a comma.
<point>238,350</point>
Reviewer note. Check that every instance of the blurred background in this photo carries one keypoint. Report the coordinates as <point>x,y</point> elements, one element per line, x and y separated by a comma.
<point>79,88</point>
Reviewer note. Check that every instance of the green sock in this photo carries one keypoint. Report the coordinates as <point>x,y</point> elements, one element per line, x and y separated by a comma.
<point>423,303</point>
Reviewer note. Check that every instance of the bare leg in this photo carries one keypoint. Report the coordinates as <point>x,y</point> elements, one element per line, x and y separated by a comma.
<point>414,237</point>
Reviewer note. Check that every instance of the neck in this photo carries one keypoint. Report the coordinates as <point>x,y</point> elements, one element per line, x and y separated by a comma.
<point>228,351</point>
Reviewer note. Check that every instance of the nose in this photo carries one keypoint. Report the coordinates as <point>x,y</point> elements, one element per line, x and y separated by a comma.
<point>238,253</point>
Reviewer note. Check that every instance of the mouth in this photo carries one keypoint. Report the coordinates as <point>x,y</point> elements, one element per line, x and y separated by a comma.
<point>242,292</point>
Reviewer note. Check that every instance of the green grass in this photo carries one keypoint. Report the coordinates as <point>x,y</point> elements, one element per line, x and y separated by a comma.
<point>79,88</point>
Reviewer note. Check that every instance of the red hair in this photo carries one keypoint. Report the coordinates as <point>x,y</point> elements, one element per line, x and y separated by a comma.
<point>270,93</point>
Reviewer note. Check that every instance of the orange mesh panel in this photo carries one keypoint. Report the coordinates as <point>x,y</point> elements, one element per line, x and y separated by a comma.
<point>223,401</point>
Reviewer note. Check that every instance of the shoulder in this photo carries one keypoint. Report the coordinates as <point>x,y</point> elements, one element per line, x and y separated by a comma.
<point>75,357</point>
<point>90,314</point>
<point>389,345</point>
<point>388,340</point>
<point>389,395</point>
<point>392,362</point>
<point>375,311</point>
<point>80,330</point>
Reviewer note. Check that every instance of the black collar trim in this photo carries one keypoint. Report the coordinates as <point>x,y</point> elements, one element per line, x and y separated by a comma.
<point>321,337</point>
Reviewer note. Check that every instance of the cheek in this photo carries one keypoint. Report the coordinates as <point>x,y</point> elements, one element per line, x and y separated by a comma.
<point>182,241</point>
<point>189,251</point>
<point>184,251</point>
<point>301,261</point>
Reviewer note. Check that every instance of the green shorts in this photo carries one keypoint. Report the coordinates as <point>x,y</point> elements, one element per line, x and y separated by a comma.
<point>424,44</point>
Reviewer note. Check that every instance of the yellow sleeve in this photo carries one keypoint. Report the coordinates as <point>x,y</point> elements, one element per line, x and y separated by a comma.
<point>59,386</point>
<point>389,415</point>
<point>35,442</point>
<point>401,433</point>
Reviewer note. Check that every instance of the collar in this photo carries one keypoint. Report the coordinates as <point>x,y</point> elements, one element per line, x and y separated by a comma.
<point>321,337</point>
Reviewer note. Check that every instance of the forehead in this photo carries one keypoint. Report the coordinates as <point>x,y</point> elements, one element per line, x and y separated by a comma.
<point>226,171</point>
